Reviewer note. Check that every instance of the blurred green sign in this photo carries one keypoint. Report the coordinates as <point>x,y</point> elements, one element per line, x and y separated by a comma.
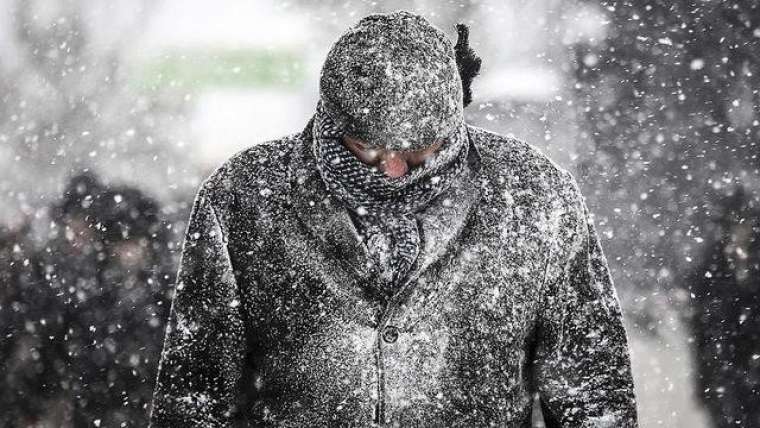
<point>198,69</point>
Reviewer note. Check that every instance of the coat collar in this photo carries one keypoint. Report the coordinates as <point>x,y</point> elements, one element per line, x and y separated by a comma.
<point>330,223</point>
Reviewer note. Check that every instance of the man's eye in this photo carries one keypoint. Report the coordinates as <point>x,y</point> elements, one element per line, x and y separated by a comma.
<point>433,146</point>
<point>357,143</point>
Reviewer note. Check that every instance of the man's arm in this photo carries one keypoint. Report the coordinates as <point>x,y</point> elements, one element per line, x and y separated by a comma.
<point>582,364</point>
<point>201,363</point>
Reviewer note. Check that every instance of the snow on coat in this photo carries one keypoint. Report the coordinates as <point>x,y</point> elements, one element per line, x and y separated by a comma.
<point>275,323</point>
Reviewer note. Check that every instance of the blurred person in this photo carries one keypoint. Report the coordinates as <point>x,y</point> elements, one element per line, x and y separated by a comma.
<point>92,319</point>
<point>117,327</point>
<point>724,319</point>
<point>391,264</point>
<point>29,323</point>
<point>37,362</point>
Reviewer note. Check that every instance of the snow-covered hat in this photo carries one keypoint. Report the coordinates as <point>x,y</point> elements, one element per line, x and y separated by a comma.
<point>392,81</point>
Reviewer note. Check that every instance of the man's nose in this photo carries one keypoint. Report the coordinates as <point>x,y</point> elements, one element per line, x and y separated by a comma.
<point>393,164</point>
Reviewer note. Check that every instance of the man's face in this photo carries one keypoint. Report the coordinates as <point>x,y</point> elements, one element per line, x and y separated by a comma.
<point>393,163</point>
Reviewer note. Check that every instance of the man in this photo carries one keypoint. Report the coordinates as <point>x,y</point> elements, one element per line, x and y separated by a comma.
<point>392,265</point>
<point>85,307</point>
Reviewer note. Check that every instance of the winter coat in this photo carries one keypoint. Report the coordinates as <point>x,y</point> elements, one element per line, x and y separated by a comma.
<point>275,323</point>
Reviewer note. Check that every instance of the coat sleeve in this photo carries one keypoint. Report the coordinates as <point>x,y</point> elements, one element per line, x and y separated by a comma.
<point>204,345</point>
<point>582,367</point>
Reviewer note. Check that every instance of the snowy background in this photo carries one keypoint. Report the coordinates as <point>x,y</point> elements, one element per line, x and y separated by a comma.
<point>111,113</point>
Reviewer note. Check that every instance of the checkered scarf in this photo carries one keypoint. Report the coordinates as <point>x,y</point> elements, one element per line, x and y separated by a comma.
<point>383,208</point>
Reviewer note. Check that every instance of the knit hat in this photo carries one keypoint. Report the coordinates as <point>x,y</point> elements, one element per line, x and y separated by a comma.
<point>392,80</point>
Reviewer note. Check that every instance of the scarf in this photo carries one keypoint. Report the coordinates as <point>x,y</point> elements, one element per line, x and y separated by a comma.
<point>383,208</point>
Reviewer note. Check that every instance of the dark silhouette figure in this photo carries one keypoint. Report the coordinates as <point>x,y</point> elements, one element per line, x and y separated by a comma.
<point>725,316</point>
<point>83,341</point>
<point>30,335</point>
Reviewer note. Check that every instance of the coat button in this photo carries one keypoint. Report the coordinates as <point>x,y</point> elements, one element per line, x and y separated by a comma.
<point>390,334</point>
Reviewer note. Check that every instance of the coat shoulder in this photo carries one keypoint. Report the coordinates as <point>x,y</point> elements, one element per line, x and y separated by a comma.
<point>257,172</point>
<point>533,189</point>
<point>511,164</point>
